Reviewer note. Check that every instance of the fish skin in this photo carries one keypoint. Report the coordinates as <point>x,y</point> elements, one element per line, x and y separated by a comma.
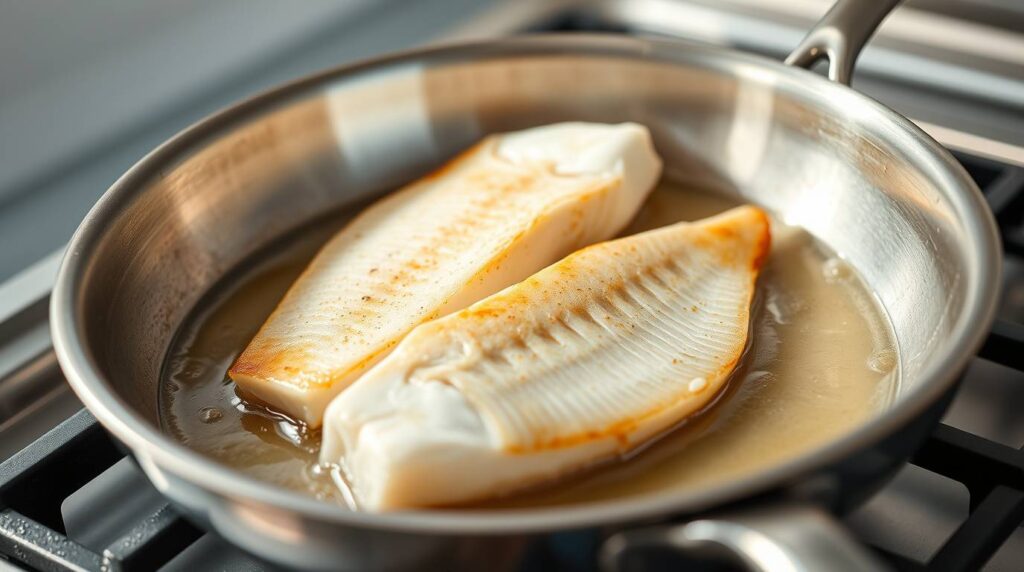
<point>586,360</point>
<point>497,213</point>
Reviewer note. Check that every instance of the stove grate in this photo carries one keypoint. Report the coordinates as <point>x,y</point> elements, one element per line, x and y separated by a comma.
<point>35,482</point>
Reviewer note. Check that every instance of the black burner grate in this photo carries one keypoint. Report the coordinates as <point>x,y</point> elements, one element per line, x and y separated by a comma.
<point>992,472</point>
<point>35,483</point>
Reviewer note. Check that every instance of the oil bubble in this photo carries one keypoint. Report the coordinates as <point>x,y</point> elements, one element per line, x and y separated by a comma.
<point>836,270</point>
<point>882,361</point>
<point>210,415</point>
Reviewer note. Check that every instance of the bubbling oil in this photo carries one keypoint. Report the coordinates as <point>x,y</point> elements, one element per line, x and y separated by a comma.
<point>821,361</point>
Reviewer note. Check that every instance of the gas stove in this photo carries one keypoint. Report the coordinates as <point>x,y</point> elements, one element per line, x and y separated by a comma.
<point>71,500</point>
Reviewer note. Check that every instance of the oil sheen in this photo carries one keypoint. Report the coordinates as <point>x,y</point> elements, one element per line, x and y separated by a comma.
<point>821,360</point>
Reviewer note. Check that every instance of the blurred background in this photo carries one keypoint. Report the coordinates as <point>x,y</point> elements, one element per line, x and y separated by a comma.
<point>87,88</point>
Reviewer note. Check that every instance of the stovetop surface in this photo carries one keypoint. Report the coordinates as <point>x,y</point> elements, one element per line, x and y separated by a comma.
<point>72,500</point>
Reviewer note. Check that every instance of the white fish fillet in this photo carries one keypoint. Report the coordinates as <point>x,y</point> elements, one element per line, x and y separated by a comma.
<point>506,208</point>
<point>583,361</point>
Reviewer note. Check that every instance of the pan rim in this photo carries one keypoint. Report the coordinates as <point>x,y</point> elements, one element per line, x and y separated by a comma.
<point>158,453</point>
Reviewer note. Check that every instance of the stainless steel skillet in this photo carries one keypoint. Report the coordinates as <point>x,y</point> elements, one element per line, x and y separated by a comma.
<point>861,178</point>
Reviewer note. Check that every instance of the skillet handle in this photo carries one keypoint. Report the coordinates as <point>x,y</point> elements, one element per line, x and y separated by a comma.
<point>793,537</point>
<point>840,35</point>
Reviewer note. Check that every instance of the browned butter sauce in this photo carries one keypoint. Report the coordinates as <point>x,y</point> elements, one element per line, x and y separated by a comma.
<point>821,360</point>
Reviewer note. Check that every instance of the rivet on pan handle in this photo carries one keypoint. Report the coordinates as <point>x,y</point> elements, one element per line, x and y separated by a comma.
<point>792,537</point>
<point>840,35</point>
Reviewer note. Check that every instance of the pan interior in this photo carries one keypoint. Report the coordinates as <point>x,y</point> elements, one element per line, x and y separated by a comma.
<point>820,362</point>
<point>820,158</point>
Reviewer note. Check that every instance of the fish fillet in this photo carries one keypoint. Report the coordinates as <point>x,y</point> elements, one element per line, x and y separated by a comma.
<point>581,362</point>
<point>493,216</point>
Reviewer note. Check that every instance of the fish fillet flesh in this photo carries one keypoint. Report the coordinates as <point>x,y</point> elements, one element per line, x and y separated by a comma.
<point>504,209</point>
<point>584,361</point>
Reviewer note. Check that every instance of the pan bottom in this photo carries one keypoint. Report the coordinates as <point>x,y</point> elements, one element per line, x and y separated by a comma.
<point>822,359</point>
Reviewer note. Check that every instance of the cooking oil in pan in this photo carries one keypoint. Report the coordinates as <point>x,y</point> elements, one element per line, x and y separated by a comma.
<point>822,360</point>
